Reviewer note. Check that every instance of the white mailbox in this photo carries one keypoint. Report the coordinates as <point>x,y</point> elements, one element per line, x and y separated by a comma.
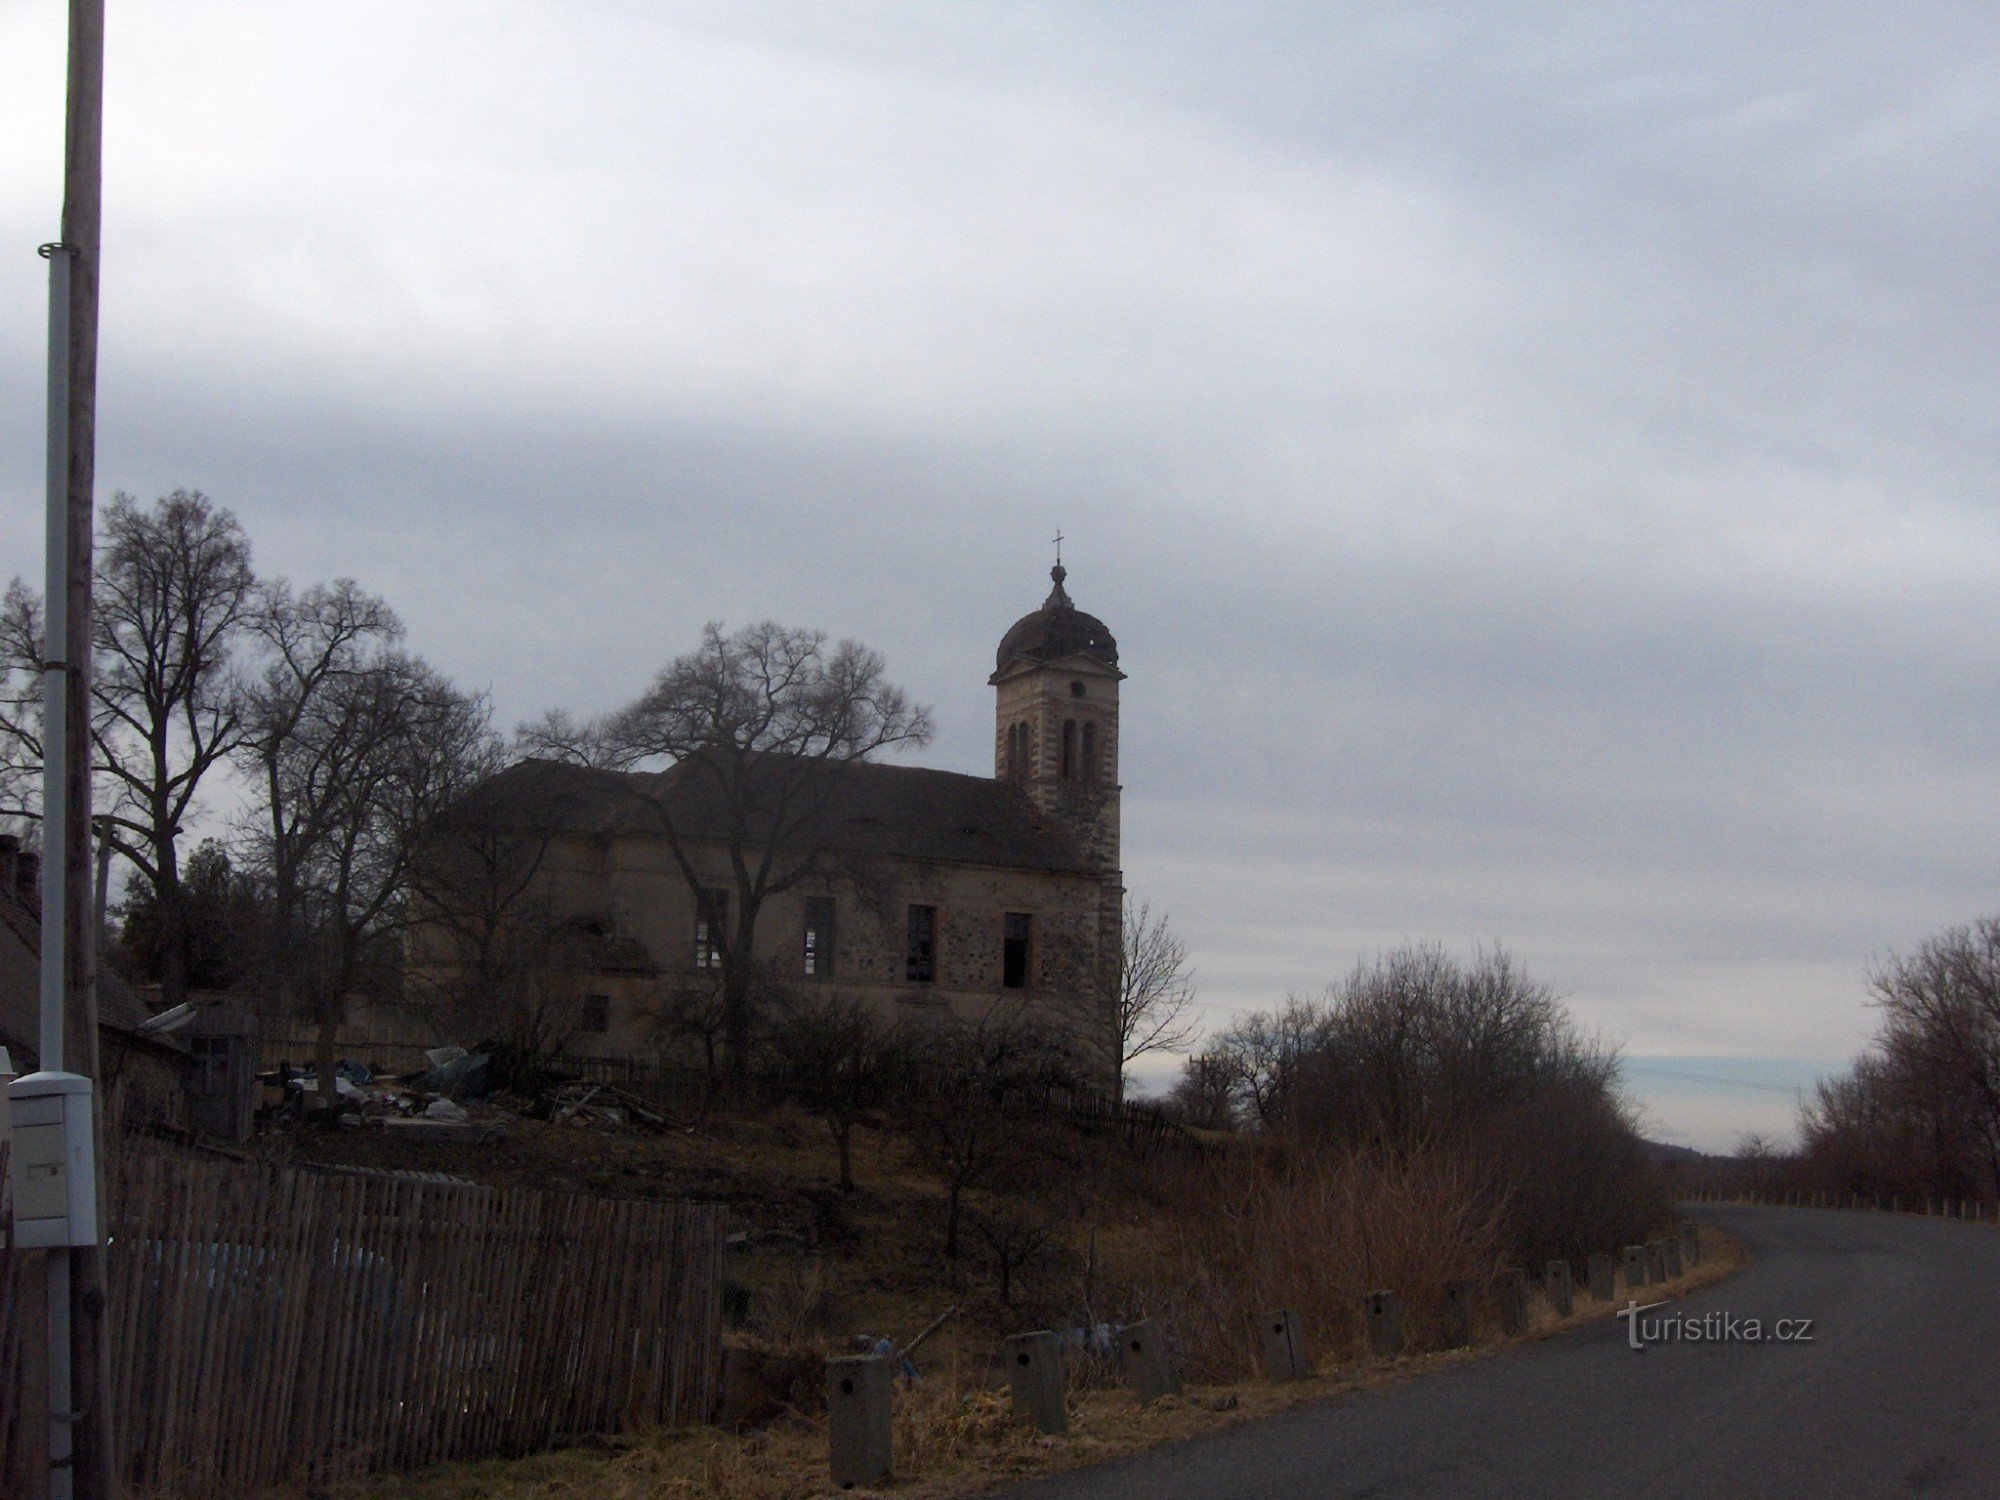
<point>54,1163</point>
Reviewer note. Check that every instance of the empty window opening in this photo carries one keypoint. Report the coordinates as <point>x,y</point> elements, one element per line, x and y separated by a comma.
<point>1069,750</point>
<point>920,946</point>
<point>1016,934</point>
<point>1017,752</point>
<point>819,937</point>
<point>595,1016</point>
<point>711,917</point>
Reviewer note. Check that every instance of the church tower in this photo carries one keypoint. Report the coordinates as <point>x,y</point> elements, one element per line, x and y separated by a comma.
<point>1056,719</point>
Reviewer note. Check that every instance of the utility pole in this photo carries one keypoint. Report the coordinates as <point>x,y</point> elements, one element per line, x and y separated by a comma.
<point>81,1462</point>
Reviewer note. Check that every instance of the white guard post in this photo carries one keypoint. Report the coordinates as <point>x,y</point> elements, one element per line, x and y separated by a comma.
<point>54,1161</point>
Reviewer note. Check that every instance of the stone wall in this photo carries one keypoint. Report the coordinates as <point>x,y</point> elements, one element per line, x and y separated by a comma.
<point>634,885</point>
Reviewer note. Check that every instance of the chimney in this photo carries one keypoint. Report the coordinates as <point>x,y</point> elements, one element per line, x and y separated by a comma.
<point>28,881</point>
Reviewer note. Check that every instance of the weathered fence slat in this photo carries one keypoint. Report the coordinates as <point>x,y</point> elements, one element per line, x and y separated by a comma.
<point>274,1326</point>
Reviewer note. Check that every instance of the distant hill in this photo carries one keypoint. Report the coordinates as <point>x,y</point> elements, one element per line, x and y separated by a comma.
<point>1660,1154</point>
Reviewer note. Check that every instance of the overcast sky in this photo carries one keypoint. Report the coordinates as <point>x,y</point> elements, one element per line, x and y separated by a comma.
<point>1538,460</point>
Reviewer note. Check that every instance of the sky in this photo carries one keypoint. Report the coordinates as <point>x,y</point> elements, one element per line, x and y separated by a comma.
<point>1538,460</point>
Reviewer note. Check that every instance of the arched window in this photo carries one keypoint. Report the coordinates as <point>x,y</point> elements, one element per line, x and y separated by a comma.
<point>1017,752</point>
<point>1069,750</point>
<point>1090,753</point>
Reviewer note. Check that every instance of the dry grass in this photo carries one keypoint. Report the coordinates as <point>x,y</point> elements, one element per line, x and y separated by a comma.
<point>954,1435</point>
<point>1314,1235</point>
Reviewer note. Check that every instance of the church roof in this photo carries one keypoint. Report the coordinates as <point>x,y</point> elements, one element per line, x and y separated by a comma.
<point>1056,631</point>
<point>874,809</point>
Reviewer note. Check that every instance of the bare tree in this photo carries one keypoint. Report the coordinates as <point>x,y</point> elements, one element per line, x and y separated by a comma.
<point>1417,1051</point>
<point>315,644</point>
<point>21,706</point>
<point>1023,1223</point>
<point>757,726</point>
<point>1260,1056</point>
<point>174,592</point>
<point>972,1113</point>
<point>1155,991</point>
<point>1919,1114</point>
<point>1205,1094</point>
<point>834,1054</point>
<point>690,1016</point>
<point>382,750</point>
<point>491,954</point>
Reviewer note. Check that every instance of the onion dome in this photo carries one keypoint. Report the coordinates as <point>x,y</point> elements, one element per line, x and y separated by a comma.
<point>1056,631</point>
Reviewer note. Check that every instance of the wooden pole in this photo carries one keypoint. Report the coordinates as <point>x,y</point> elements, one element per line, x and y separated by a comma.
<point>94,1468</point>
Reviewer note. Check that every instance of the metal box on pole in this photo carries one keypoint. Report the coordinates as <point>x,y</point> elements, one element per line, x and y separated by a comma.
<point>54,1161</point>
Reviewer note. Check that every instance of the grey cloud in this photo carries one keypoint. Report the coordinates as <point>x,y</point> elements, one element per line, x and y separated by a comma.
<point>1538,461</point>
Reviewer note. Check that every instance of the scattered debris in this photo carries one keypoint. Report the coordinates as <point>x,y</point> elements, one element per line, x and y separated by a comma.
<point>929,1328</point>
<point>457,1088</point>
<point>420,1128</point>
<point>467,1076</point>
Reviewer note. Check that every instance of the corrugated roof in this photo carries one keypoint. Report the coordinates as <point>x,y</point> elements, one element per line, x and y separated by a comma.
<point>871,809</point>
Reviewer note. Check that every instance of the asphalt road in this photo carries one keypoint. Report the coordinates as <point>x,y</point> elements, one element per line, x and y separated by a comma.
<point>1897,1394</point>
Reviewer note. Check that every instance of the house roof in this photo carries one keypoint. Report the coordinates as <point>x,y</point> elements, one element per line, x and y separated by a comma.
<point>872,810</point>
<point>119,1011</point>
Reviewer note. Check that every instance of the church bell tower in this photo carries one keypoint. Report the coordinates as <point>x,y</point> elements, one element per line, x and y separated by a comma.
<point>1055,732</point>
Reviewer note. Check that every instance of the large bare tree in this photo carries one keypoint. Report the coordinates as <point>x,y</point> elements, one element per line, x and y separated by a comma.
<point>174,593</point>
<point>758,725</point>
<point>1155,990</point>
<point>382,749</point>
<point>315,645</point>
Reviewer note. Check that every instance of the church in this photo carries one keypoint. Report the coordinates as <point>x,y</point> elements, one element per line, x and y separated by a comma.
<point>950,893</point>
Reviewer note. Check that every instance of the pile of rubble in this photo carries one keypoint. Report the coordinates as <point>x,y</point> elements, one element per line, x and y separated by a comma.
<point>455,1098</point>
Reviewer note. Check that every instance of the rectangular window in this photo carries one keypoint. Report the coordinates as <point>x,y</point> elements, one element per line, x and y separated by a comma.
<point>711,918</point>
<point>819,937</point>
<point>920,950</point>
<point>596,1016</point>
<point>1014,950</point>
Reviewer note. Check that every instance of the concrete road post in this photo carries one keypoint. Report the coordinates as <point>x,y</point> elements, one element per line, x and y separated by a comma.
<point>859,1390</point>
<point>1147,1369</point>
<point>1035,1379</point>
<point>1284,1336</point>
<point>1513,1300</point>
<point>1635,1267</point>
<point>1559,1286</point>
<point>1382,1312</point>
<point>1656,1261</point>
<point>1455,1315</point>
<point>1603,1282</point>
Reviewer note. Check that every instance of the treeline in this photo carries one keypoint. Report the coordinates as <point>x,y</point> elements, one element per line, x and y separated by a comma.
<point>337,744</point>
<point>1473,1068</point>
<point>1918,1115</point>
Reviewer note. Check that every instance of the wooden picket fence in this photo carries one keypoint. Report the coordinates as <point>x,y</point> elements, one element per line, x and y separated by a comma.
<point>272,1326</point>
